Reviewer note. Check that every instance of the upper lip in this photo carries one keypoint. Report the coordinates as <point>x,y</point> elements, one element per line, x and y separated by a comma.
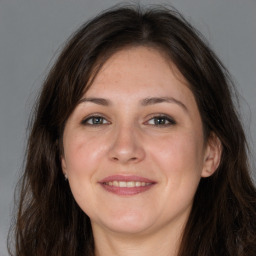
<point>125,178</point>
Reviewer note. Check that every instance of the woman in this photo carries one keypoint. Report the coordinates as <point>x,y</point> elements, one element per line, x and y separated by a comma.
<point>136,147</point>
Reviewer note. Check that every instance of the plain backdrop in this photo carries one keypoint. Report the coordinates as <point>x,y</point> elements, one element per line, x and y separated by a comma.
<point>32,33</point>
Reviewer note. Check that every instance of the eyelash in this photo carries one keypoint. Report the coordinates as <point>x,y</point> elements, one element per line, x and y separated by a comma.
<point>92,118</point>
<point>162,118</point>
<point>100,120</point>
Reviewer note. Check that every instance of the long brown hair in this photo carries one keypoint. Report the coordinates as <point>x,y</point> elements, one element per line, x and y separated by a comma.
<point>223,217</point>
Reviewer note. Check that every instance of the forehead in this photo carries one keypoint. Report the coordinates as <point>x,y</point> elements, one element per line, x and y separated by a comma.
<point>138,68</point>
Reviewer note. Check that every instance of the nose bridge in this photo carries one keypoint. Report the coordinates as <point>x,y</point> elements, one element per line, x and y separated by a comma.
<point>126,144</point>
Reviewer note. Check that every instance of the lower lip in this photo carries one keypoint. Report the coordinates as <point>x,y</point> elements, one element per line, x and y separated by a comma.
<point>126,191</point>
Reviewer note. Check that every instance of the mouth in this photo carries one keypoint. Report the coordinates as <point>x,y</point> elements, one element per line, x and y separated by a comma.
<point>126,185</point>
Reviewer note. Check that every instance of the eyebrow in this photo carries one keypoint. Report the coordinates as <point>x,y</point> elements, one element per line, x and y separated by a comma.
<point>99,101</point>
<point>143,102</point>
<point>157,100</point>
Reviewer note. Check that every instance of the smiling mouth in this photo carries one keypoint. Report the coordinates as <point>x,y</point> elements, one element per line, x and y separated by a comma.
<point>126,185</point>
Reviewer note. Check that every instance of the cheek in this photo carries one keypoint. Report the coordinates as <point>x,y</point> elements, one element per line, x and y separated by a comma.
<point>81,160</point>
<point>180,147</point>
<point>178,163</point>
<point>180,158</point>
<point>82,154</point>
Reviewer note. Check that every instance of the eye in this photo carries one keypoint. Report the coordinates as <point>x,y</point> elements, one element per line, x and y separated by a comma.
<point>162,121</point>
<point>95,120</point>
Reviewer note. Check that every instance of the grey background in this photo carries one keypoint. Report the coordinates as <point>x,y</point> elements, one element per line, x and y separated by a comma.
<point>33,31</point>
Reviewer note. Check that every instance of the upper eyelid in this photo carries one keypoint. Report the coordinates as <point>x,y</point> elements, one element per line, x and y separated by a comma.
<point>160,115</point>
<point>148,117</point>
<point>96,115</point>
<point>171,120</point>
<point>86,118</point>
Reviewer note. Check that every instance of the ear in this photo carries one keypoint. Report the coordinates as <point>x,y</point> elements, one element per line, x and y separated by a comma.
<point>62,159</point>
<point>212,155</point>
<point>64,165</point>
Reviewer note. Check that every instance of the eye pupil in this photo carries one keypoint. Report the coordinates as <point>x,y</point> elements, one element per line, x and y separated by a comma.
<point>160,120</point>
<point>97,120</point>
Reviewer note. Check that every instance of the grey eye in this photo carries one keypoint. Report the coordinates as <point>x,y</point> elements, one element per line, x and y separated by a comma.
<point>95,120</point>
<point>161,121</point>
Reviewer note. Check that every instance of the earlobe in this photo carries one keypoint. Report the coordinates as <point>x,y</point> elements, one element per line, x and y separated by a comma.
<point>212,155</point>
<point>63,163</point>
<point>64,167</point>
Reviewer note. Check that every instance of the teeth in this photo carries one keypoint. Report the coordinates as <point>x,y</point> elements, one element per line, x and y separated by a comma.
<point>122,184</point>
<point>128,184</point>
<point>115,183</point>
<point>138,184</point>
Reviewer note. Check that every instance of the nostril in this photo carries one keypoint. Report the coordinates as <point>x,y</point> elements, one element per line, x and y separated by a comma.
<point>117,159</point>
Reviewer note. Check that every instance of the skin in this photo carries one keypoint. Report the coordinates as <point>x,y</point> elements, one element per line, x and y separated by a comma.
<point>127,140</point>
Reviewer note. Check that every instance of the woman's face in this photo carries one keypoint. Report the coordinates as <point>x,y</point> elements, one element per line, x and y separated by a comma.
<point>134,149</point>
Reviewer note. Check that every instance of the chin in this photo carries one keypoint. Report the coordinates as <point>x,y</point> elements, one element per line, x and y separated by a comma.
<point>129,223</point>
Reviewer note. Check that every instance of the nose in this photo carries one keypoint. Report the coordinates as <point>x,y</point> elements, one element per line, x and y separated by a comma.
<point>127,146</point>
